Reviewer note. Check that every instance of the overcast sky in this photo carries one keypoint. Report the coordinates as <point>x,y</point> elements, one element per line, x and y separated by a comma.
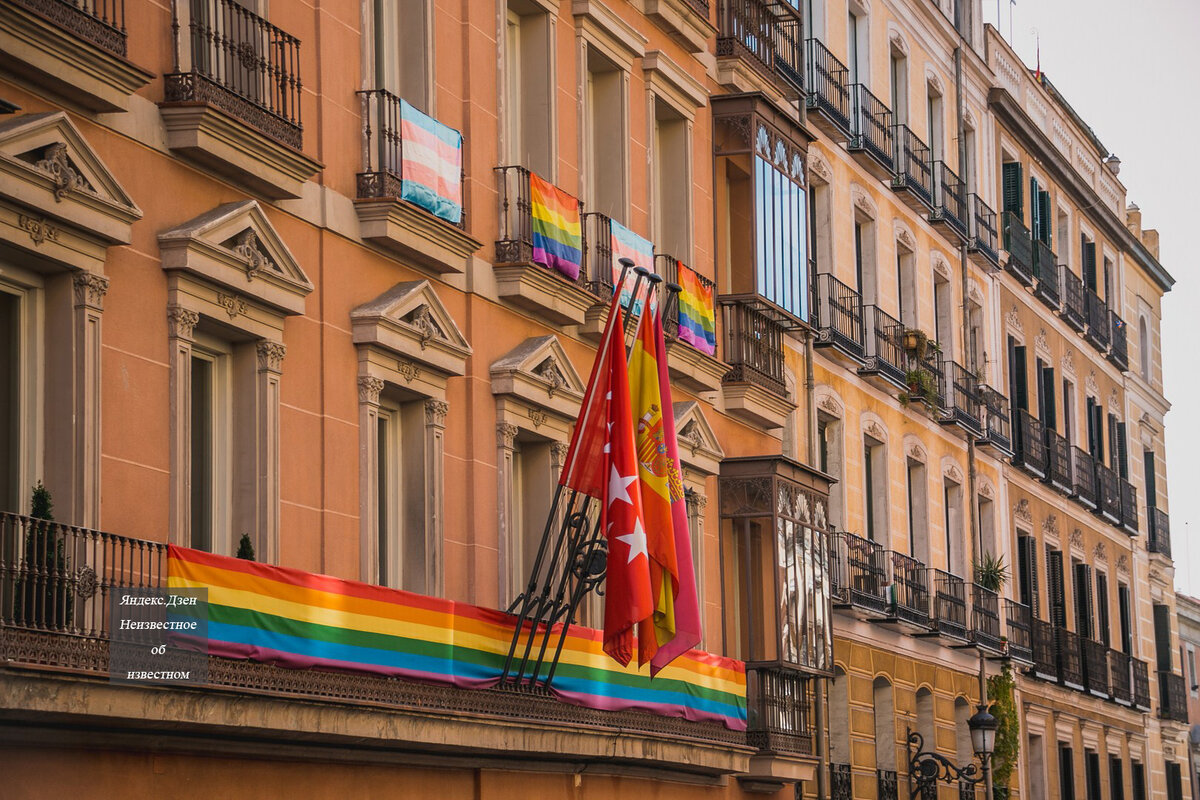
<point>1132,71</point>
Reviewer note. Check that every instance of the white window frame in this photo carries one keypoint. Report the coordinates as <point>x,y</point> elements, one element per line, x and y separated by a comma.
<point>27,460</point>
<point>219,355</point>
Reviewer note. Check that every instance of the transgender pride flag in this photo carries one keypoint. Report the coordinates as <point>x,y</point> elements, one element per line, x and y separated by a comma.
<point>431,164</point>
<point>627,244</point>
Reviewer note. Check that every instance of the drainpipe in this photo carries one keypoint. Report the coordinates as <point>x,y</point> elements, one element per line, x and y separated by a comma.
<point>822,684</point>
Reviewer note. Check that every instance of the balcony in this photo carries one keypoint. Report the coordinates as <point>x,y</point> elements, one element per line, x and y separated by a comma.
<point>887,784</point>
<point>1045,269</point>
<point>985,619</point>
<point>913,176</point>
<point>1108,494</point>
<point>1129,509</point>
<point>1158,535</point>
<point>1172,697</point>
<point>885,356</point>
<point>233,102</point>
<point>949,202</point>
<point>948,606</point>
<point>910,592</point>
<point>841,782</point>
<point>997,421</point>
<point>960,396</point>
<point>1141,684</point>
<point>754,387</point>
<point>1098,331</point>
<point>1118,352</point>
<point>1095,666</point>
<point>828,97</point>
<point>1019,245</point>
<point>1074,307</point>
<point>552,292</point>
<point>1070,659</point>
<point>689,359</point>
<point>858,570</point>
<point>1083,482</point>
<point>1120,686</point>
<point>839,318</point>
<point>871,132</point>
<point>982,244</point>
<point>1058,461</point>
<point>1045,651</point>
<point>765,36</point>
<point>1029,444</point>
<point>779,710</point>
<point>421,223</point>
<point>1019,624</point>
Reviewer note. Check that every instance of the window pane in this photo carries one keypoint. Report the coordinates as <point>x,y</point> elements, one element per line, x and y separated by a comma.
<point>202,454</point>
<point>10,407</point>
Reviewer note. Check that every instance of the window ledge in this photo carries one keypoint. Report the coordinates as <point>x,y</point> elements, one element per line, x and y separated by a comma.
<point>541,291</point>
<point>55,59</point>
<point>734,72</point>
<point>756,405</point>
<point>769,772</point>
<point>687,24</point>
<point>693,370</point>
<point>415,235</point>
<point>213,138</point>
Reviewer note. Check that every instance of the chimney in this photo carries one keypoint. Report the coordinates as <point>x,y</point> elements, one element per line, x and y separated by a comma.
<point>1133,219</point>
<point>1150,240</point>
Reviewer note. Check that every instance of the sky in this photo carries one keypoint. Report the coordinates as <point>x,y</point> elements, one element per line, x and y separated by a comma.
<point>1132,72</point>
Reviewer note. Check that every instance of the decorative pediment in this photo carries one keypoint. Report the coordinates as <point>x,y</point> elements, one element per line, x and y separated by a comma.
<point>1093,388</point>
<point>1076,539</point>
<point>1050,525</point>
<point>904,236</point>
<point>237,247</point>
<point>974,293</point>
<point>819,170</point>
<point>1013,320</point>
<point>1068,362</point>
<point>914,449</point>
<point>1041,343</point>
<point>1022,513</point>
<point>941,265</point>
<point>829,403</point>
<point>862,201</point>
<point>538,372</point>
<point>410,322</point>
<point>699,450</point>
<point>951,470</point>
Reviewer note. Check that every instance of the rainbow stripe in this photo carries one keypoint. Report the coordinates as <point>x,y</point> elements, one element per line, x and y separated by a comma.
<point>557,233</point>
<point>300,620</point>
<point>431,164</point>
<point>697,315</point>
<point>627,244</point>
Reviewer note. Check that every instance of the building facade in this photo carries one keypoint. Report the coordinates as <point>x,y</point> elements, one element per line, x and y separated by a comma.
<point>228,323</point>
<point>1189,641</point>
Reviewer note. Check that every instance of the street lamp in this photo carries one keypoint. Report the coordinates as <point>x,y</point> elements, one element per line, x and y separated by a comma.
<point>927,768</point>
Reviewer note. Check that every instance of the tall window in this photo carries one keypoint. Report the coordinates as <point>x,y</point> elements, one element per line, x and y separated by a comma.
<point>605,137</point>
<point>1083,600</point>
<point>906,285</point>
<point>885,724</point>
<point>1149,468</point>
<point>943,304</point>
<point>1027,573</point>
<point>210,446</point>
<point>782,252</point>
<point>400,528</point>
<point>1144,349</point>
<point>1018,387</point>
<point>864,258</point>
<point>1066,771</point>
<point>1012,188</point>
<point>1124,609</point>
<point>11,412</point>
<point>1116,777</point>
<point>528,85</point>
<point>987,524</point>
<point>533,482</point>
<point>968,167</point>
<point>975,345</point>
<point>672,181</point>
<point>857,45</point>
<point>875,490</point>
<point>918,519</point>
<point>1092,775</point>
<point>952,501</point>
<point>935,120</point>
<point>1102,618</point>
<point>821,223</point>
<point>829,459</point>
<point>899,81</point>
<point>403,60</point>
<point>1068,403</point>
<point>1087,260</point>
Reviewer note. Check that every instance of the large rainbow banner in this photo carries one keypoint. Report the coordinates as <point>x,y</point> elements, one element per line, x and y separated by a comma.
<point>697,315</point>
<point>301,620</point>
<point>431,164</point>
<point>556,230</point>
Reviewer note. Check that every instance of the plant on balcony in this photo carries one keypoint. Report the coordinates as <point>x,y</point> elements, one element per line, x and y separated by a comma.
<point>922,386</point>
<point>1008,734</point>
<point>43,596</point>
<point>245,548</point>
<point>991,572</point>
<point>914,341</point>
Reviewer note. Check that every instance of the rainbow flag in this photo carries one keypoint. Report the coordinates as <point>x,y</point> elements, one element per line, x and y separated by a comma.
<point>627,244</point>
<point>557,233</point>
<point>697,315</point>
<point>300,620</point>
<point>431,164</point>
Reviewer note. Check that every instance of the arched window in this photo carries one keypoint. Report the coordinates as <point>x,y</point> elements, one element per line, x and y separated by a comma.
<point>962,734</point>
<point>839,718</point>
<point>1144,349</point>
<point>885,725</point>
<point>925,724</point>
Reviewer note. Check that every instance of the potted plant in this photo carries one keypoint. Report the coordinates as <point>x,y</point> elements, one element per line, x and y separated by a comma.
<point>914,342</point>
<point>922,386</point>
<point>991,572</point>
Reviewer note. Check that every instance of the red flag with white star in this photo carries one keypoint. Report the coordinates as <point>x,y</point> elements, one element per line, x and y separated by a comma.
<point>602,462</point>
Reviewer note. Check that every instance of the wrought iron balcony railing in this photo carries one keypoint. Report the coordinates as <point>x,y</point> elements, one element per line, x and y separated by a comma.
<point>753,346</point>
<point>768,35</point>
<point>839,316</point>
<point>841,782</point>
<point>1141,684</point>
<point>960,390</point>
<point>1118,351</point>
<point>1120,685</point>
<point>1095,666</point>
<point>1045,650</point>
<point>1045,269</point>
<point>779,710</point>
<point>1074,307</point>
<point>950,199</point>
<point>1058,461</point>
<point>1070,659</point>
<point>910,592</point>
<point>1019,625</point>
<point>887,784</point>
<point>885,354</point>
<point>982,239</point>
<point>1129,507</point>
<point>241,64</point>
<point>1019,245</point>
<point>858,570</point>
<point>514,243</point>
<point>596,272</point>
<point>985,619</point>
<point>914,168</point>
<point>1083,478</point>
<point>871,128</point>
<point>100,22</point>
<point>668,267</point>
<point>997,422</point>
<point>948,604</point>
<point>1098,326</point>
<point>1108,494</point>
<point>1158,535</point>
<point>1029,444</point>
<point>828,86</point>
<point>1172,697</point>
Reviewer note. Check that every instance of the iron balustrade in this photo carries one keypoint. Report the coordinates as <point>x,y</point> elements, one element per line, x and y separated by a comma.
<point>514,243</point>
<point>1029,443</point>
<point>1118,351</point>
<point>914,169</point>
<point>948,604</point>
<point>1045,650</point>
<point>1058,461</point>
<point>960,393</point>
<point>997,419</point>
<point>828,85</point>
<point>887,784</point>
<point>668,267</point>
<point>1129,508</point>
<point>1097,332</point>
<point>859,568</point>
<point>950,199</point>
<point>383,146</point>
<point>1158,535</point>
<point>841,782</point>
<point>1018,623</point>
<point>871,128</point>
<point>930,363</point>
<point>1083,482</point>
<point>241,64</point>
<point>1070,661</point>
<point>982,238</point>
<point>967,790</point>
<point>1095,666</point>
<point>1108,494</point>
<point>753,347</point>
<point>985,618</point>
<point>768,34</point>
<point>597,269</point>
<point>884,351</point>
<point>910,593</point>
<point>1120,687</point>
<point>1172,696</point>
<point>839,316</point>
<point>1074,306</point>
<point>1141,684</point>
<point>1045,269</point>
<point>100,22</point>
<point>1019,245</point>
<point>779,710</point>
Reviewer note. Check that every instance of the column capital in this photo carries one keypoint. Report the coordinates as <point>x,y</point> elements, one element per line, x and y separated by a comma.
<point>90,289</point>
<point>506,434</point>
<point>435,412</point>
<point>182,322</point>
<point>270,356</point>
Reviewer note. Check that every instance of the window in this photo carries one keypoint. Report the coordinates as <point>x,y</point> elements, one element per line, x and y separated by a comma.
<point>875,490</point>
<point>1143,349</point>
<point>403,56</point>
<point>1039,205</point>
<point>782,253</point>
<point>935,122</point>
<point>858,45</point>
<point>1095,423</point>
<point>1037,767</point>
<point>864,258</point>
<point>969,179</point>
<point>1064,234</point>
<point>975,337</point>
<point>925,720</point>
<point>1047,406</point>
<point>1011,194</point>
<point>528,110</point>
<point>821,221</point>
<point>672,181</point>
<point>1193,686</point>
<point>1068,390</point>
<point>1027,573</point>
<point>1066,771</point>
<point>210,447</point>
<point>1174,781</point>
<point>1116,778</point>
<point>1092,775</point>
<point>839,707</point>
<point>1102,619</point>
<point>13,336</point>
<point>918,519</point>
<point>533,479</point>
<point>403,551</point>
<point>1137,775</point>
<point>605,137</point>
<point>884,708</point>
<point>814,13</point>
<point>952,499</point>
<point>944,320</point>
<point>1087,260</point>
<point>1018,388</point>
<point>829,445</point>
<point>1124,609</point>
<point>906,285</point>
<point>1162,637</point>
<point>1110,289</point>
<point>1149,469</point>
<point>899,81</point>
<point>1083,600</point>
<point>987,524</point>
<point>1056,587</point>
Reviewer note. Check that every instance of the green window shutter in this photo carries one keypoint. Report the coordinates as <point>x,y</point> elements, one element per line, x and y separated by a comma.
<point>1089,264</point>
<point>1013,201</point>
<point>1056,588</point>
<point>1043,201</point>
<point>1035,210</point>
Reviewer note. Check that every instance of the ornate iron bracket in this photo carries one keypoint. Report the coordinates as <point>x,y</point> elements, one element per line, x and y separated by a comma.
<point>928,768</point>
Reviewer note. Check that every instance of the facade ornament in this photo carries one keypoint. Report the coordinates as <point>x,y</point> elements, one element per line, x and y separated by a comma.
<point>549,372</point>
<point>232,304</point>
<point>1050,526</point>
<point>246,246</point>
<point>1068,362</point>
<point>39,230</point>
<point>1100,553</point>
<point>1013,320</point>
<point>369,388</point>
<point>558,453</point>
<point>762,142</point>
<point>1114,403</point>
<point>1041,342</point>
<point>875,431</point>
<point>941,264</point>
<point>690,435</point>
<point>422,320</point>
<point>905,237</point>
<point>987,491</point>
<point>86,582</point>
<point>181,322</point>
<point>90,289</point>
<point>974,292</point>
<point>1022,513</point>
<point>954,473</point>
<point>538,417</point>
<point>1123,564</point>
<point>917,453</point>
<point>862,201</point>
<point>897,42</point>
<point>827,403</point>
<point>696,501</point>
<point>506,435</point>
<point>408,370</point>
<point>1168,751</point>
<point>818,167</point>
<point>1155,575</point>
<point>1093,388</point>
<point>58,167</point>
<point>1076,539</point>
<point>270,355</point>
<point>436,411</point>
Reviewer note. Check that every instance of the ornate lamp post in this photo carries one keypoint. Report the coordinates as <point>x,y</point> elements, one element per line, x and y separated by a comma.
<point>927,768</point>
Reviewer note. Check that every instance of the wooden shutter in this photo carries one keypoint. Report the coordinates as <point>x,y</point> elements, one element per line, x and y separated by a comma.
<point>1151,479</point>
<point>1029,563</point>
<point>1043,201</point>
<point>1116,778</point>
<point>1126,621</point>
<point>1013,201</point>
<point>1048,406</point>
<point>1055,587</point>
<point>1035,210</point>
<point>1089,264</point>
<point>1102,618</point>
<point>1083,600</point>
<point>1122,454</point>
<point>1019,379</point>
<point>1162,636</point>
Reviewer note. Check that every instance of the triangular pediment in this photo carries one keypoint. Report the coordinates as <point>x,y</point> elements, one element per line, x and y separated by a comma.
<point>699,448</point>
<point>236,245</point>
<point>410,320</point>
<point>539,371</point>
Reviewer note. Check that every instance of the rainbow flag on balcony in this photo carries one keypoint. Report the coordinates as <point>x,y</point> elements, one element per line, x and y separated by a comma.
<point>300,620</point>
<point>431,164</point>
<point>627,244</point>
<point>697,314</point>
<point>557,233</point>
